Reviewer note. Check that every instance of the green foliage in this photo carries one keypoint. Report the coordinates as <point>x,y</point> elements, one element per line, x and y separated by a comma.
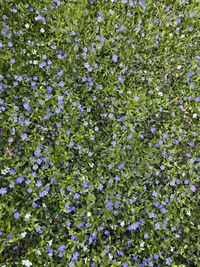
<point>99,133</point>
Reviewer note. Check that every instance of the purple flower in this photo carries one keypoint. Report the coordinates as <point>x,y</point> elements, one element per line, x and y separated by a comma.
<point>153,215</point>
<point>173,228</point>
<point>12,60</point>
<point>102,39</point>
<point>50,251</point>
<point>61,84</point>
<point>157,204</point>
<point>154,194</point>
<point>85,185</point>
<point>159,143</point>
<point>136,98</point>
<point>152,129</point>
<point>117,178</point>
<point>133,226</point>
<point>164,211</point>
<point>106,232</point>
<point>16,215</point>
<point>157,226</point>
<point>12,171</point>
<point>115,58</point>
<point>19,180</point>
<point>39,183</point>
<point>193,188</point>
<point>168,261</point>
<point>191,14</point>
<point>186,182</point>
<point>75,256</point>
<point>111,116</point>
<point>35,166</point>
<point>68,132</point>
<point>61,248</point>
<point>27,107</point>
<point>156,256</point>
<point>29,190</point>
<point>109,205</point>
<point>25,137</point>
<point>121,166</point>
<point>191,144</point>
<point>165,135</point>
<point>37,152</point>
<point>38,229</point>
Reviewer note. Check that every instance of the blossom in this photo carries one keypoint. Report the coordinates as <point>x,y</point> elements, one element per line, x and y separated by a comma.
<point>27,263</point>
<point>61,248</point>
<point>193,188</point>
<point>115,58</point>
<point>3,191</point>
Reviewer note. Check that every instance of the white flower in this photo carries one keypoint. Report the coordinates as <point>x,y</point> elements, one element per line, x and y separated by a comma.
<point>3,172</point>
<point>42,30</point>
<point>179,67</point>
<point>188,213</point>
<point>50,242</point>
<point>23,234</point>
<point>89,214</point>
<point>34,52</point>
<point>27,263</point>
<point>27,25</point>
<point>160,93</point>
<point>27,215</point>
<point>84,248</point>
<point>194,115</point>
<point>111,11</point>
<point>87,65</point>
<point>122,223</point>
<point>110,256</point>
<point>142,244</point>
<point>114,227</point>
<point>38,252</point>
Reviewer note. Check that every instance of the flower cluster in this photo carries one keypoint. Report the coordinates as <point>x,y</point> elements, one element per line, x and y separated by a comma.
<point>99,134</point>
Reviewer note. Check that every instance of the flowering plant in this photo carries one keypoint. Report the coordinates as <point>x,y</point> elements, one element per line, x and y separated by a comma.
<point>99,133</point>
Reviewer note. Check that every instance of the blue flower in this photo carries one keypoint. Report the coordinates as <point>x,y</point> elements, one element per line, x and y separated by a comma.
<point>75,256</point>
<point>193,188</point>
<point>115,58</point>
<point>133,226</point>
<point>16,215</point>
<point>61,248</point>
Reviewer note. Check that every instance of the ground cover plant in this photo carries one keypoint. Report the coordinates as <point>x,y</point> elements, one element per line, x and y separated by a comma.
<point>99,133</point>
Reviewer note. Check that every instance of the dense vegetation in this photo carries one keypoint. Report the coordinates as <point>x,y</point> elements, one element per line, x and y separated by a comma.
<point>99,133</point>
